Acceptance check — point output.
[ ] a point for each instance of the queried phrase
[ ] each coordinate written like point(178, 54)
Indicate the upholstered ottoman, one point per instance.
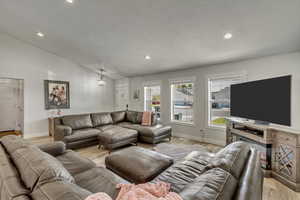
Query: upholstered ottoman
point(155, 134)
point(115, 137)
point(137, 165)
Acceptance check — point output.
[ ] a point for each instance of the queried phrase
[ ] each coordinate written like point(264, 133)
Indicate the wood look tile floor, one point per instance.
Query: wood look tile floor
point(272, 189)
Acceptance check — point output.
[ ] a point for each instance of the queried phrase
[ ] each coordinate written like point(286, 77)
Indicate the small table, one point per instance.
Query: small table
point(12, 132)
point(138, 165)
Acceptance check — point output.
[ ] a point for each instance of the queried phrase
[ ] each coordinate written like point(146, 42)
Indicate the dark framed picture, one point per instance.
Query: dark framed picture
point(57, 94)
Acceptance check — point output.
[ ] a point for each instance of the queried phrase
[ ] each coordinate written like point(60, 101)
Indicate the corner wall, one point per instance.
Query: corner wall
point(255, 69)
point(22, 61)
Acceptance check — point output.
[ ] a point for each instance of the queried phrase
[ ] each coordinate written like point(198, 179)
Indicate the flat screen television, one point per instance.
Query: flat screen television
point(266, 100)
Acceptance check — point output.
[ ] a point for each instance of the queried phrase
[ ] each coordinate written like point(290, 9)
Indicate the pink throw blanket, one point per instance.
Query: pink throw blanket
point(98, 196)
point(147, 191)
point(146, 119)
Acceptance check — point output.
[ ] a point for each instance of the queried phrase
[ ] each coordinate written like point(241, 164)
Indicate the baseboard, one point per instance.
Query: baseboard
point(190, 137)
point(215, 141)
point(212, 140)
point(33, 135)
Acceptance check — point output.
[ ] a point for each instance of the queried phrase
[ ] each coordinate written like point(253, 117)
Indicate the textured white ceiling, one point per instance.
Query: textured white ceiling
point(177, 34)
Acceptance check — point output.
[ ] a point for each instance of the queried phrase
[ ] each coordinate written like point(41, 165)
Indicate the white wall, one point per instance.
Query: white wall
point(121, 94)
point(255, 69)
point(23, 61)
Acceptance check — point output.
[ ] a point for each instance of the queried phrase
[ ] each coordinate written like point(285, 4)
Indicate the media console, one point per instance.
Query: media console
point(279, 148)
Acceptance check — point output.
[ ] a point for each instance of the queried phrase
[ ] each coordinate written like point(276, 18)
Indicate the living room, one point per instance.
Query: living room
point(111, 95)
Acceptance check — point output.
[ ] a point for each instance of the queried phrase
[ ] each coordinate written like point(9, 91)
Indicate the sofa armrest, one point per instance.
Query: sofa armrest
point(54, 149)
point(61, 131)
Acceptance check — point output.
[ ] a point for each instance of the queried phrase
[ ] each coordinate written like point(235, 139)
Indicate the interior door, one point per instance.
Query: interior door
point(11, 104)
point(152, 99)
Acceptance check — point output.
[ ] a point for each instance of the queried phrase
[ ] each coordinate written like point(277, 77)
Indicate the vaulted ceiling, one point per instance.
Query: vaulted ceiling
point(177, 34)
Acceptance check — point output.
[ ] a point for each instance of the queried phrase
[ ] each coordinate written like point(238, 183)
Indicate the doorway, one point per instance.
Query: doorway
point(11, 106)
point(152, 99)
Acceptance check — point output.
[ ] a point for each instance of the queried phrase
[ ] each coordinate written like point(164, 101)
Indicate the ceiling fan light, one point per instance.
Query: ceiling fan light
point(101, 83)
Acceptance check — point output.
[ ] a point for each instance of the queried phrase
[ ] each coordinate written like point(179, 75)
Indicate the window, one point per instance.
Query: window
point(152, 99)
point(182, 99)
point(219, 99)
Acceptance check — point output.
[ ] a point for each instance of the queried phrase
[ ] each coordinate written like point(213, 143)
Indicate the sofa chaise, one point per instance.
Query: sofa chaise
point(112, 130)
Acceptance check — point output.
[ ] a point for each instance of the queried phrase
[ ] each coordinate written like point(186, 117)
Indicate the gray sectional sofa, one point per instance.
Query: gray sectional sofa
point(112, 130)
point(51, 172)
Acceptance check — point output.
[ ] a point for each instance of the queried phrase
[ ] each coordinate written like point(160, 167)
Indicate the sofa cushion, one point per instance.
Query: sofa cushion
point(232, 158)
point(59, 190)
point(82, 134)
point(22, 197)
point(124, 124)
point(116, 134)
point(130, 125)
point(100, 119)
point(131, 116)
point(11, 185)
point(86, 131)
point(75, 163)
point(78, 121)
point(107, 127)
point(139, 117)
point(37, 167)
point(185, 172)
point(99, 179)
point(54, 149)
point(148, 131)
point(118, 116)
point(214, 184)
point(12, 143)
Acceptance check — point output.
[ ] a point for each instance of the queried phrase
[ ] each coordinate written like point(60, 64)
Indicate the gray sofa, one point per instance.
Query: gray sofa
point(112, 130)
point(51, 172)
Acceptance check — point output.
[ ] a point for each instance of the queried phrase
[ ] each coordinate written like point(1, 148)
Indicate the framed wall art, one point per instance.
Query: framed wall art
point(57, 94)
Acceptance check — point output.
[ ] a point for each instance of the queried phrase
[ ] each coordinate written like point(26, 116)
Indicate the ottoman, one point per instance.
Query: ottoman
point(137, 165)
point(115, 137)
point(150, 134)
point(155, 134)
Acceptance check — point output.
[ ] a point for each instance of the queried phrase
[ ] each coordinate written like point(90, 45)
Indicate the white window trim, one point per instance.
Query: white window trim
point(152, 83)
point(182, 80)
point(242, 74)
point(177, 81)
point(181, 123)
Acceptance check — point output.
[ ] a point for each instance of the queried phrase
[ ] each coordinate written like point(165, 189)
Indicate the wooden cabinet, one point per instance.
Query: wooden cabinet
point(286, 158)
point(279, 149)
point(51, 126)
point(5, 133)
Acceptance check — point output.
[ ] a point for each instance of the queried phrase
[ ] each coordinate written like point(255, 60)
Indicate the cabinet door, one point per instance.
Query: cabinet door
point(285, 160)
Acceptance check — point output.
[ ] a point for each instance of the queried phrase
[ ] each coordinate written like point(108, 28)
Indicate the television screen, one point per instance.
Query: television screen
point(264, 100)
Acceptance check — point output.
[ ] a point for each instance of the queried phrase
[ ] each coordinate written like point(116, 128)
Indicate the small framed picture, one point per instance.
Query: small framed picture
point(136, 94)
point(57, 94)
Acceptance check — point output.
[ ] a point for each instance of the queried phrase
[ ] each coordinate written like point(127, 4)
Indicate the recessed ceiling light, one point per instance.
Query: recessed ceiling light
point(40, 34)
point(147, 57)
point(227, 36)
point(69, 1)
